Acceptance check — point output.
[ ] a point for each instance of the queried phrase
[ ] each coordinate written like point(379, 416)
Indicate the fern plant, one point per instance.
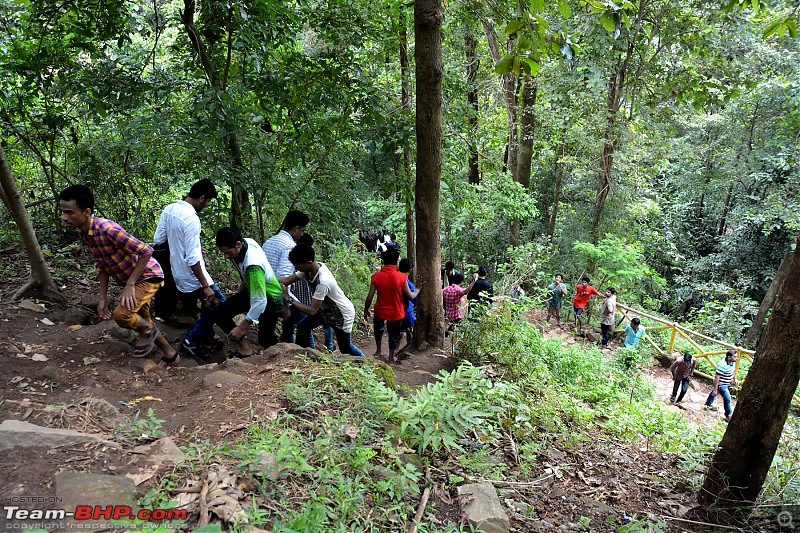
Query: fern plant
point(437, 414)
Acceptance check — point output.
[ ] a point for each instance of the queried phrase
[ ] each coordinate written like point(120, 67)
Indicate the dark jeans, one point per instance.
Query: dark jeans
point(343, 338)
point(203, 330)
point(238, 304)
point(684, 386)
point(726, 399)
point(605, 329)
point(394, 332)
point(287, 333)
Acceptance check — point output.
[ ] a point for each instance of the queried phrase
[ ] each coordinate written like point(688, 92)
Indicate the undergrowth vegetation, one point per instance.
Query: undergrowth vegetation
point(348, 443)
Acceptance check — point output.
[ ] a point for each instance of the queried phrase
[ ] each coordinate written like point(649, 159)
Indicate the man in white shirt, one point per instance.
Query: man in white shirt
point(179, 228)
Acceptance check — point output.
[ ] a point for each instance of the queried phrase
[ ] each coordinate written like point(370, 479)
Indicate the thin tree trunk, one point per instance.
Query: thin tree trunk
point(557, 186)
point(405, 100)
point(769, 298)
point(240, 199)
point(740, 465)
point(473, 63)
point(609, 143)
point(428, 55)
point(510, 98)
point(723, 219)
point(40, 277)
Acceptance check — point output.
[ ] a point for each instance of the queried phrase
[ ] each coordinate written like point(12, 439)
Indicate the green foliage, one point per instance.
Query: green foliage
point(143, 427)
point(438, 414)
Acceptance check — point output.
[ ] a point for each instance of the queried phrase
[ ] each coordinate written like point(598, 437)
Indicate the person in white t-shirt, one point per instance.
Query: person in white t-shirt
point(328, 303)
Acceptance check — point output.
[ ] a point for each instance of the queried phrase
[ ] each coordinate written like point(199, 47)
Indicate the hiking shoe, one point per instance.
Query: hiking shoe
point(710, 407)
point(193, 351)
point(672, 399)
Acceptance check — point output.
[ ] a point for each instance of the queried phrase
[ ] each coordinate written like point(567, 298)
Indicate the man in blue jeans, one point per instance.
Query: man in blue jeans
point(328, 303)
point(722, 380)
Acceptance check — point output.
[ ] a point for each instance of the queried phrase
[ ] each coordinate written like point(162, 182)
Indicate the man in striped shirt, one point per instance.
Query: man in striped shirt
point(126, 259)
point(722, 380)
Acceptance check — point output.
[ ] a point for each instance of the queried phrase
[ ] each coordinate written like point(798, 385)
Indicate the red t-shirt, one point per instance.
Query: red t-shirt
point(582, 295)
point(389, 283)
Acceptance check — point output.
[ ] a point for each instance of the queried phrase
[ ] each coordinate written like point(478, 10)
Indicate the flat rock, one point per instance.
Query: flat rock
point(144, 364)
point(15, 433)
point(161, 451)
point(115, 376)
point(222, 378)
point(482, 508)
point(81, 488)
point(285, 349)
point(234, 364)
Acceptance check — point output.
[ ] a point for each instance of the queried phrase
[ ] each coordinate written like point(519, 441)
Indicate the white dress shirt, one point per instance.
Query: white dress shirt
point(180, 226)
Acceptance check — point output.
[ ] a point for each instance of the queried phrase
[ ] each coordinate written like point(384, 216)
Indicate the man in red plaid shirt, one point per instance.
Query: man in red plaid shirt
point(125, 258)
point(452, 295)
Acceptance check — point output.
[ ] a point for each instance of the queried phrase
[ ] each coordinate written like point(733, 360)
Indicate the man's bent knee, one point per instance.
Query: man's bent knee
point(125, 318)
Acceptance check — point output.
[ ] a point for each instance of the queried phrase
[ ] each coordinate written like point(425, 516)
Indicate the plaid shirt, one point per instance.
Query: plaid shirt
point(116, 251)
point(452, 295)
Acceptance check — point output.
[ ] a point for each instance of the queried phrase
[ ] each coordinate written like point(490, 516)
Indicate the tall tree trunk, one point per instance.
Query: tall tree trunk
point(557, 188)
point(40, 278)
point(616, 86)
point(240, 199)
point(405, 100)
point(769, 298)
point(525, 152)
point(471, 46)
point(428, 56)
point(510, 97)
point(723, 219)
point(740, 465)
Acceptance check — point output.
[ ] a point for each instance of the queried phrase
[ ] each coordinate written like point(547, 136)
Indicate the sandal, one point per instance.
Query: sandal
point(175, 360)
point(143, 350)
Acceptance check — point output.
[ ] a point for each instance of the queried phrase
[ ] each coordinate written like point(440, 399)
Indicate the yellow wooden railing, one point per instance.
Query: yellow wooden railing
point(690, 337)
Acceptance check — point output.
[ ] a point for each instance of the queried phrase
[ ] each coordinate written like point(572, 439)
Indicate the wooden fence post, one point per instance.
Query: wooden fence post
point(672, 338)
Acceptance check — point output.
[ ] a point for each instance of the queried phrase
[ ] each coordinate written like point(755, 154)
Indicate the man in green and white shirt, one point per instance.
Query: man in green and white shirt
point(260, 295)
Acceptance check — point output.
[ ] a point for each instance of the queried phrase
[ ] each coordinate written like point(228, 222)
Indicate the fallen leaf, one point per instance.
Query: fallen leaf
point(31, 306)
point(47, 322)
point(39, 357)
point(141, 477)
point(74, 327)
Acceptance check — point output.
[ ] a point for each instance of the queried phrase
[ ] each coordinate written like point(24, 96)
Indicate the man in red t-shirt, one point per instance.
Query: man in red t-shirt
point(582, 294)
point(390, 307)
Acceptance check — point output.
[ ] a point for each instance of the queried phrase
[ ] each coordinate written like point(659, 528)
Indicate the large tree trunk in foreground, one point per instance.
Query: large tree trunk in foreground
point(739, 468)
point(40, 275)
point(428, 55)
point(769, 298)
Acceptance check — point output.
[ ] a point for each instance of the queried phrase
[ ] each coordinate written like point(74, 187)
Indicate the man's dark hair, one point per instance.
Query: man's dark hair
point(730, 353)
point(636, 321)
point(81, 194)
point(302, 253)
point(393, 236)
point(294, 219)
point(482, 271)
point(687, 357)
point(406, 265)
point(306, 239)
point(204, 187)
point(562, 276)
point(612, 290)
point(390, 256)
point(228, 237)
point(457, 278)
point(586, 279)
point(449, 265)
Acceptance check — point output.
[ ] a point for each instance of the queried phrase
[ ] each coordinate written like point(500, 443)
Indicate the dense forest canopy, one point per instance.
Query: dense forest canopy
point(660, 137)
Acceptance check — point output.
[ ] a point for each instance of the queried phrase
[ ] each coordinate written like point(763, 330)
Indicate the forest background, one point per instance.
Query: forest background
point(649, 144)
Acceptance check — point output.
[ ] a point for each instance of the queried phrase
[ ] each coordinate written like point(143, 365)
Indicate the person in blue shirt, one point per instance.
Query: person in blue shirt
point(633, 332)
point(407, 325)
